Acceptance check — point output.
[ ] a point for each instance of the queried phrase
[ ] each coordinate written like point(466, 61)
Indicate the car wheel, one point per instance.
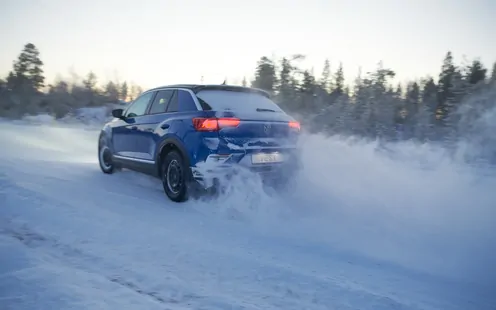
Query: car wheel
point(174, 176)
point(105, 158)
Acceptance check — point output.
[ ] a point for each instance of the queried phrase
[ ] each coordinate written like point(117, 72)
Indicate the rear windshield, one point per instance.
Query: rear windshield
point(235, 101)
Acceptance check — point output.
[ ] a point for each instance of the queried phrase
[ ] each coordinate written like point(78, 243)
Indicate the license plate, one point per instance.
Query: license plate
point(266, 158)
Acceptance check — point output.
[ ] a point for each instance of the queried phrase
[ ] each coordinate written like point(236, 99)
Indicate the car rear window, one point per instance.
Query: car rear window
point(235, 101)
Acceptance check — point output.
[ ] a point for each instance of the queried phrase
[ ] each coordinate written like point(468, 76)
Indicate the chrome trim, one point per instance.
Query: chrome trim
point(257, 147)
point(145, 161)
point(213, 161)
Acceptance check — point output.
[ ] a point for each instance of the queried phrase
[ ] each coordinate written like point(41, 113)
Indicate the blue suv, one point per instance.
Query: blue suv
point(185, 134)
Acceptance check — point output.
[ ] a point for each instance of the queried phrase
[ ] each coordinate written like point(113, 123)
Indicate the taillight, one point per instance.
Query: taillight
point(214, 124)
point(294, 125)
point(228, 122)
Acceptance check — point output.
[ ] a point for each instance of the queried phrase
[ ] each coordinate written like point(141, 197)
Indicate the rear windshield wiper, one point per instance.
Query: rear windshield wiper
point(265, 110)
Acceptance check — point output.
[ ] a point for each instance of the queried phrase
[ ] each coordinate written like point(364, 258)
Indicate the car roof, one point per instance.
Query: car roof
point(195, 88)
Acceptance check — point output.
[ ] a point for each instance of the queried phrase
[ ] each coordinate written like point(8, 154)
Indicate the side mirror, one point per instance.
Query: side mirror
point(117, 113)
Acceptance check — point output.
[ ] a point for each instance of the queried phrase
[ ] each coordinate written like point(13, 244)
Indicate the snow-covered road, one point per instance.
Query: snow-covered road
point(363, 231)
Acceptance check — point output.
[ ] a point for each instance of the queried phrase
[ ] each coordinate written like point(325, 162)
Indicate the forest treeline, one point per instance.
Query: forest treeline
point(24, 91)
point(443, 108)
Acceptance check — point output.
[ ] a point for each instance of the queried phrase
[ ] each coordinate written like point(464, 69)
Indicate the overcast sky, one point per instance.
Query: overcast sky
point(157, 42)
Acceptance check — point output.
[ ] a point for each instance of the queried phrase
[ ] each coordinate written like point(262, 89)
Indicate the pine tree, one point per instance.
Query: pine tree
point(90, 81)
point(27, 70)
point(445, 83)
point(380, 76)
point(429, 95)
point(325, 79)
point(308, 84)
point(493, 75)
point(338, 81)
point(429, 89)
point(425, 116)
point(361, 111)
point(398, 93)
point(412, 100)
point(476, 72)
point(60, 87)
point(413, 93)
point(132, 92)
point(112, 91)
point(287, 85)
point(265, 75)
point(12, 81)
point(381, 118)
point(346, 90)
point(285, 78)
point(124, 91)
point(357, 85)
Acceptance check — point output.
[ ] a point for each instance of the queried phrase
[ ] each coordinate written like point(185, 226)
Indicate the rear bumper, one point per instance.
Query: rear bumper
point(208, 172)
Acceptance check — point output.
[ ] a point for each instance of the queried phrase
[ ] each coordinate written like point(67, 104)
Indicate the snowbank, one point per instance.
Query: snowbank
point(39, 119)
point(88, 116)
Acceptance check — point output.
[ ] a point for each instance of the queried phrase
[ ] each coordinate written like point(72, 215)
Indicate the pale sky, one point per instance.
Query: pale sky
point(159, 42)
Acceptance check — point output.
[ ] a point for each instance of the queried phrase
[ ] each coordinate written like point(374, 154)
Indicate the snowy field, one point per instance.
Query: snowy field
point(366, 228)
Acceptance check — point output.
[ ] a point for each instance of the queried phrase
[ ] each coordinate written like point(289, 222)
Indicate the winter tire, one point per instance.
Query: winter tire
point(105, 158)
point(174, 176)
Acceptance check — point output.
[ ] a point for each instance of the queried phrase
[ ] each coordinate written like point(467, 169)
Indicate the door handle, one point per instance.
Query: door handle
point(164, 126)
point(134, 128)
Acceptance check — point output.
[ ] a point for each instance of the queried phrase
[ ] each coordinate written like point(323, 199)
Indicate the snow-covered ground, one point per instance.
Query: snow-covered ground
point(91, 117)
point(364, 229)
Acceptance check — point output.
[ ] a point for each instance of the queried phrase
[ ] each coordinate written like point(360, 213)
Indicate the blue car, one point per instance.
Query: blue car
point(188, 134)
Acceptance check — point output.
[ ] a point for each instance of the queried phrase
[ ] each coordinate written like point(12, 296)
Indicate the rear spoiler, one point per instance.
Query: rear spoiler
point(262, 92)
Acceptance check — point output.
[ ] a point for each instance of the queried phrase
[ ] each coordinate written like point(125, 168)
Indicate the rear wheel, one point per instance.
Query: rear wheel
point(174, 176)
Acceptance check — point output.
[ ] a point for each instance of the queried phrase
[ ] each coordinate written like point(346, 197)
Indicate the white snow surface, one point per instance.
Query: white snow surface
point(366, 227)
point(90, 117)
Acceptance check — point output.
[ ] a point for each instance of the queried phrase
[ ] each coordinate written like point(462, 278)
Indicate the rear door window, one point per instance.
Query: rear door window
point(161, 101)
point(235, 101)
point(173, 104)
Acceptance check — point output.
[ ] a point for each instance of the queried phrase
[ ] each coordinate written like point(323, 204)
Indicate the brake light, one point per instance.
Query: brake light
point(294, 125)
point(228, 122)
point(214, 124)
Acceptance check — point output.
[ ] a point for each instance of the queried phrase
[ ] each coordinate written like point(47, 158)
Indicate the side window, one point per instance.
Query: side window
point(186, 102)
point(173, 104)
point(161, 101)
point(205, 106)
point(138, 107)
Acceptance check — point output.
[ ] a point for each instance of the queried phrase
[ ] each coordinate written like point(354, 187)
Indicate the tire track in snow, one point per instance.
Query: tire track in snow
point(282, 293)
point(69, 254)
point(78, 258)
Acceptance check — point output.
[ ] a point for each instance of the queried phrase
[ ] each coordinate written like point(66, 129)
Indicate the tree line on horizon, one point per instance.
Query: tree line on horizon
point(25, 92)
point(442, 108)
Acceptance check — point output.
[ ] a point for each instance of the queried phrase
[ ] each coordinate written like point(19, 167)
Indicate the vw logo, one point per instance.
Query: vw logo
point(267, 128)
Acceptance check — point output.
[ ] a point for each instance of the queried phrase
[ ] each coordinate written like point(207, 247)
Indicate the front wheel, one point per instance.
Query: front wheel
point(105, 158)
point(174, 176)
